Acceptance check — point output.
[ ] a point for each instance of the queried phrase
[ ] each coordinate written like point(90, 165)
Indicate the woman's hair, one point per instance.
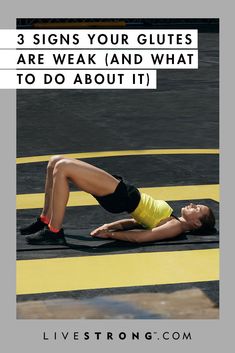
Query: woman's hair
point(208, 223)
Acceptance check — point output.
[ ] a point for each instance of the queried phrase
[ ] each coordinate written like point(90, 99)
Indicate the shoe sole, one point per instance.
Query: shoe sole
point(46, 242)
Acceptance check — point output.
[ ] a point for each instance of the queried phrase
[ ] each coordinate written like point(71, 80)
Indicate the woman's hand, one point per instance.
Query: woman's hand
point(122, 224)
point(102, 232)
point(109, 230)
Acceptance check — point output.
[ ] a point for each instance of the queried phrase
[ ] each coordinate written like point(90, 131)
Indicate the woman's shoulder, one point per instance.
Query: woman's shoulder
point(169, 228)
point(171, 219)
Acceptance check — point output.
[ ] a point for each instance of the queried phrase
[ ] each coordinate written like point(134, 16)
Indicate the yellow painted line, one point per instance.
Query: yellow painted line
point(35, 159)
point(169, 193)
point(114, 271)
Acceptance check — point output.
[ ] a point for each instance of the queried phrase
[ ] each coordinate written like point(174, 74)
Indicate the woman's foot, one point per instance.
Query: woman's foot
point(33, 228)
point(46, 237)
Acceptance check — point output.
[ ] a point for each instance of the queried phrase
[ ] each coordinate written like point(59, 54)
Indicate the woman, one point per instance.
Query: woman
point(152, 219)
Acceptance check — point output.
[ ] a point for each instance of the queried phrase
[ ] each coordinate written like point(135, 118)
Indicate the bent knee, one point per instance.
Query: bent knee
point(61, 166)
point(53, 160)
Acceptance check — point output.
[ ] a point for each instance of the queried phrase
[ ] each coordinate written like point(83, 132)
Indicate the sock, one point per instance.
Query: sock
point(44, 219)
point(52, 229)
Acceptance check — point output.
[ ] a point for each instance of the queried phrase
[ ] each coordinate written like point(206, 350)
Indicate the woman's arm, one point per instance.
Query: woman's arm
point(168, 230)
point(123, 224)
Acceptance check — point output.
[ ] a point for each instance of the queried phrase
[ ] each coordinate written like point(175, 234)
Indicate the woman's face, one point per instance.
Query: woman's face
point(193, 213)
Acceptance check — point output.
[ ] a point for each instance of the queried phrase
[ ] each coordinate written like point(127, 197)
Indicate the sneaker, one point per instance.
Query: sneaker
point(46, 237)
point(33, 228)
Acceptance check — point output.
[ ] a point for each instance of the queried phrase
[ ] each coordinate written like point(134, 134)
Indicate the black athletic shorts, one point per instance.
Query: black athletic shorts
point(125, 198)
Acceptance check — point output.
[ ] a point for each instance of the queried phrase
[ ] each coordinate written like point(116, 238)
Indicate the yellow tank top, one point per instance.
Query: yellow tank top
point(151, 212)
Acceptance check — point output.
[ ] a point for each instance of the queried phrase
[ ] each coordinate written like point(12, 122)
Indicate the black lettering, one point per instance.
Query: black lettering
point(64, 39)
point(120, 78)
point(160, 39)
point(151, 41)
point(30, 78)
point(59, 59)
point(122, 335)
point(114, 39)
point(86, 336)
point(164, 335)
point(88, 79)
point(102, 39)
point(77, 79)
point(98, 335)
point(44, 336)
point(31, 59)
point(190, 56)
point(141, 76)
point(125, 39)
point(138, 59)
point(175, 336)
point(114, 59)
point(59, 79)
point(47, 79)
point(179, 38)
point(148, 335)
point(21, 39)
point(111, 79)
point(170, 35)
point(52, 39)
point(188, 39)
point(135, 335)
point(21, 60)
point(41, 59)
point(64, 335)
point(141, 39)
point(170, 58)
point(80, 59)
point(75, 38)
point(109, 336)
point(181, 59)
point(75, 336)
point(91, 37)
point(91, 59)
point(99, 79)
point(187, 336)
point(19, 78)
point(36, 39)
point(157, 59)
point(133, 79)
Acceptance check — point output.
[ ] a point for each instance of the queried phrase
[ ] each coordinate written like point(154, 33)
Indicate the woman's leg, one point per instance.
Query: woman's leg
point(46, 212)
point(85, 176)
